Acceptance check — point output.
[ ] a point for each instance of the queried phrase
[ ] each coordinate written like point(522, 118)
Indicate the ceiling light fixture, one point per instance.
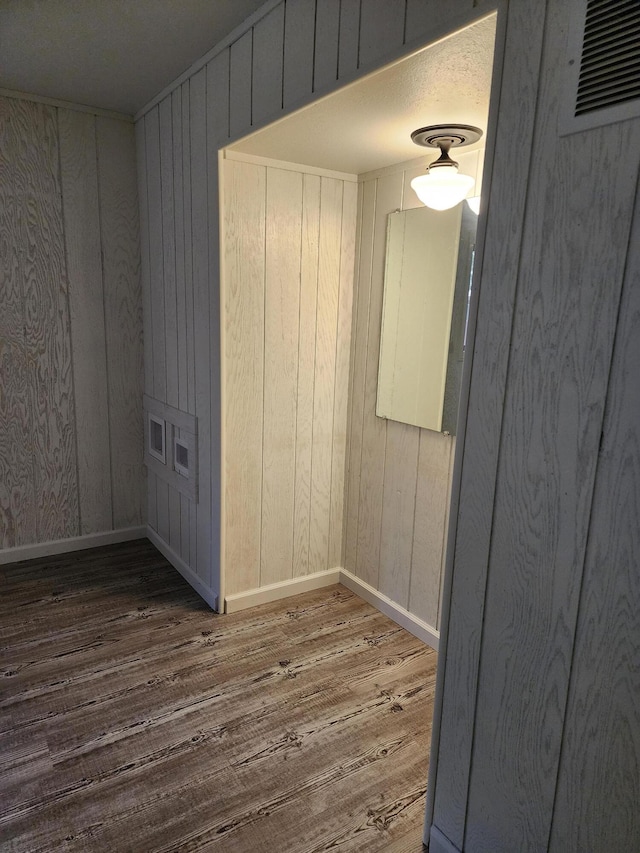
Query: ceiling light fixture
point(443, 187)
point(474, 204)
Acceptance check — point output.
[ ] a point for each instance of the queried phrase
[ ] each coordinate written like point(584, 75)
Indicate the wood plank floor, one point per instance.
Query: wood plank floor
point(132, 718)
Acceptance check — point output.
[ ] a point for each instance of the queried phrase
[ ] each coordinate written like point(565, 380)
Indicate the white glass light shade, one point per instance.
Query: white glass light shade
point(442, 188)
point(474, 204)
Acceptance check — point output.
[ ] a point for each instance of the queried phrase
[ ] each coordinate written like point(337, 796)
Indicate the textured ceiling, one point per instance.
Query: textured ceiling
point(113, 54)
point(368, 125)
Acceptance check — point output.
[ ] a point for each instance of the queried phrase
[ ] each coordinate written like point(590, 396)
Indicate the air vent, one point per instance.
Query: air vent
point(603, 84)
point(610, 64)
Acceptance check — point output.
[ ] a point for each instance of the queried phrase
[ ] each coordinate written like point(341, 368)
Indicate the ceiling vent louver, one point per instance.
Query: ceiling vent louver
point(603, 82)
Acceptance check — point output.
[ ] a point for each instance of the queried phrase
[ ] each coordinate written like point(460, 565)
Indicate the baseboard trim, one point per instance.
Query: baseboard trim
point(283, 589)
point(413, 624)
point(306, 583)
point(75, 543)
point(186, 571)
point(439, 843)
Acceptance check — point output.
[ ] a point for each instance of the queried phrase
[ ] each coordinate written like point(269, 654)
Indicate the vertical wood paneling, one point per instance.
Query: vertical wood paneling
point(398, 510)
point(398, 477)
point(123, 318)
point(218, 98)
point(325, 67)
point(162, 509)
point(168, 251)
point(445, 533)
point(201, 295)
point(244, 193)
point(288, 289)
point(214, 438)
point(366, 216)
point(341, 383)
point(183, 512)
point(267, 66)
point(178, 217)
point(596, 805)
point(432, 16)
point(156, 281)
point(46, 320)
point(188, 246)
point(175, 519)
point(381, 29)
point(66, 339)
point(518, 95)
point(281, 318)
point(547, 477)
point(306, 371)
point(558, 372)
point(69, 222)
point(348, 554)
point(171, 292)
point(325, 364)
point(145, 278)
point(188, 510)
point(17, 486)
point(240, 81)
point(79, 179)
point(349, 34)
point(147, 316)
point(388, 196)
point(429, 524)
point(300, 19)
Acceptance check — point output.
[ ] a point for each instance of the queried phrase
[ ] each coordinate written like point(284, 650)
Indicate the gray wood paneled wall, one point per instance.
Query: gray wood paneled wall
point(289, 54)
point(540, 722)
point(70, 325)
point(287, 284)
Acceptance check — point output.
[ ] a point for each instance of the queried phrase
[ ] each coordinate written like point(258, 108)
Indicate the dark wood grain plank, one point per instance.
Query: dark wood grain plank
point(135, 719)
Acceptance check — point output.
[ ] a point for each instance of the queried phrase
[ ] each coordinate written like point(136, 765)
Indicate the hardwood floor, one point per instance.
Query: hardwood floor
point(132, 718)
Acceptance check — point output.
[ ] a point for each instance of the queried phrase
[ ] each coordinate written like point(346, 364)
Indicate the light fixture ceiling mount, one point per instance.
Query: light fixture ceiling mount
point(442, 187)
point(436, 135)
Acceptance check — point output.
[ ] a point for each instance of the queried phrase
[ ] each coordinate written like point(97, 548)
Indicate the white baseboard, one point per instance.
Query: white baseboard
point(394, 611)
point(186, 571)
point(76, 543)
point(439, 843)
point(283, 589)
point(241, 600)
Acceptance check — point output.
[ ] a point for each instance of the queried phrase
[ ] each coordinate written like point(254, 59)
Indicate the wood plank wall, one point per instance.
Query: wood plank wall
point(539, 746)
point(539, 693)
point(70, 326)
point(399, 481)
point(288, 282)
point(260, 75)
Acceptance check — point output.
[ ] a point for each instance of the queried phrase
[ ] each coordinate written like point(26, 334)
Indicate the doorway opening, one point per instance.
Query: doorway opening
point(323, 488)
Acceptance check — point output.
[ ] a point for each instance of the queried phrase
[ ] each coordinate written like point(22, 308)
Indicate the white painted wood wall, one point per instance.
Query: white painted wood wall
point(399, 481)
point(289, 241)
point(539, 744)
point(70, 326)
point(286, 55)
